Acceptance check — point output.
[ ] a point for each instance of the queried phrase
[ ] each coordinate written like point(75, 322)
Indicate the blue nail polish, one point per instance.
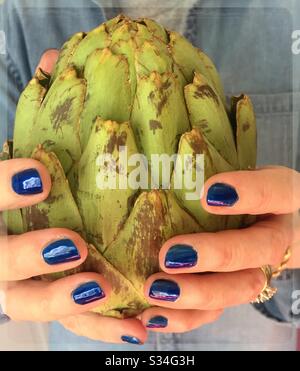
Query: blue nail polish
point(158, 322)
point(221, 194)
point(62, 251)
point(131, 340)
point(181, 256)
point(88, 293)
point(27, 182)
point(164, 290)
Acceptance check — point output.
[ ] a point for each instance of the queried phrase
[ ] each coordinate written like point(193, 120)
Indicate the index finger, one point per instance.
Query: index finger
point(23, 182)
point(273, 190)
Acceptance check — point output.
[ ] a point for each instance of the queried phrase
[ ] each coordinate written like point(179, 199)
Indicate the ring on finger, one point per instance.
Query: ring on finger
point(267, 292)
point(277, 271)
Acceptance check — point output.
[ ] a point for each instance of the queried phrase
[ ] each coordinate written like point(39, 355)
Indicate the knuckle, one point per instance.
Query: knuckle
point(277, 244)
point(14, 262)
point(11, 263)
point(206, 299)
point(263, 199)
point(73, 324)
point(182, 326)
point(227, 257)
point(190, 323)
point(46, 307)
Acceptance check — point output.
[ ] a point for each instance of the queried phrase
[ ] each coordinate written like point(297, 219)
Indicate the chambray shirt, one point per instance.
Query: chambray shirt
point(251, 43)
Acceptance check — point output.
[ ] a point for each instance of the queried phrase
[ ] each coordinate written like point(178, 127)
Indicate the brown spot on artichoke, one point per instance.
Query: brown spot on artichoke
point(207, 91)
point(155, 125)
point(61, 114)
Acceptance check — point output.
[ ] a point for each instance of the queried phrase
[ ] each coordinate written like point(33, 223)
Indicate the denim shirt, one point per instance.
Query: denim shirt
point(251, 46)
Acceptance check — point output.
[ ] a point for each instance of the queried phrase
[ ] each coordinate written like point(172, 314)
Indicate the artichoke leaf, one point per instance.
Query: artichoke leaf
point(209, 115)
point(156, 29)
point(191, 60)
point(59, 210)
point(191, 144)
point(13, 221)
point(107, 97)
point(246, 135)
point(26, 116)
point(95, 39)
point(149, 224)
point(212, 74)
point(113, 24)
point(124, 33)
point(104, 206)
point(57, 123)
point(66, 53)
point(159, 114)
point(128, 50)
point(144, 227)
point(152, 56)
point(124, 301)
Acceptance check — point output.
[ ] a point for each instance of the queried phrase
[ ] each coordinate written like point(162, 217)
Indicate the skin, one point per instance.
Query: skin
point(234, 257)
point(272, 193)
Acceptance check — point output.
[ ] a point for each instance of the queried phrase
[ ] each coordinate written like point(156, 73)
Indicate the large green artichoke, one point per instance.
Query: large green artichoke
point(135, 84)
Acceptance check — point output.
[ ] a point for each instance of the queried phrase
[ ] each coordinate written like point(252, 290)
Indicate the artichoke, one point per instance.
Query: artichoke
point(128, 84)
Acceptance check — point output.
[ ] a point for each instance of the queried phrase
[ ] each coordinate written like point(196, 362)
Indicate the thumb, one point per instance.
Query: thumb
point(48, 60)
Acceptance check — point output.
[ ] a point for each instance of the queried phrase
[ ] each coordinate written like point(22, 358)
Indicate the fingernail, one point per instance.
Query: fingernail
point(181, 256)
point(164, 290)
point(158, 322)
point(62, 251)
point(221, 194)
point(131, 340)
point(27, 182)
point(88, 293)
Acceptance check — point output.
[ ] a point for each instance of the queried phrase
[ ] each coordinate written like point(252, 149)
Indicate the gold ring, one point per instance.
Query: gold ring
point(277, 271)
point(267, 292)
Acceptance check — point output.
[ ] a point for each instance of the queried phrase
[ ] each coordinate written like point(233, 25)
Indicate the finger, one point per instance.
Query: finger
point(177, 321)
point(270, 190)
point(23, 182)
point(48, 60)
point(40, 252)
point(204, 292)
point(107, 329)
point(264, 243)
point(49, 301)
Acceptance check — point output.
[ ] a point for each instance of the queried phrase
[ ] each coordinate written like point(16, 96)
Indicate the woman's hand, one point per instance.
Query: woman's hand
point(25, 182)
point(235, 255)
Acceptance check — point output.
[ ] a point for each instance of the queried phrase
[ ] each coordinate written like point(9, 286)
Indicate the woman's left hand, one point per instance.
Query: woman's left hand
point(233, 258)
